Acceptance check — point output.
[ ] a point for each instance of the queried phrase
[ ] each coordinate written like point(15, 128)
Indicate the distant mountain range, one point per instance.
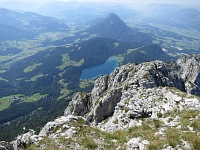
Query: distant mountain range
point(189, 17)
point(110, 27)
point(78, 12)
point(160, 10)
point(18, 26)
point(84, 12)
point(173, 15)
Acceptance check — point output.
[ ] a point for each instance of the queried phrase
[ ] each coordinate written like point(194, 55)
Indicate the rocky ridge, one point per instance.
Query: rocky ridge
point(147, 106)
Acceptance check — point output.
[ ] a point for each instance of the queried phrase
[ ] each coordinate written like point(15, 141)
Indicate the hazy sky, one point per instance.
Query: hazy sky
point(135, 4)
point(123, 1)
point(141, 1)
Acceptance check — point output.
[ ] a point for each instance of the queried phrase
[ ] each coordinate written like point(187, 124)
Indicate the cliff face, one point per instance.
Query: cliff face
point(130, 97)
point(130, 92)
point(189, 70)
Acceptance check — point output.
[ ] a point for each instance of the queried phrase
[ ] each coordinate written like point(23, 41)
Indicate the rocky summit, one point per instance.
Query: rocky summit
point(153, 105)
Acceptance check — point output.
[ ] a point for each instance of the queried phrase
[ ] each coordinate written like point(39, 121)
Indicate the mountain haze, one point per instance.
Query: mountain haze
point(150, 101)
point(31, 21)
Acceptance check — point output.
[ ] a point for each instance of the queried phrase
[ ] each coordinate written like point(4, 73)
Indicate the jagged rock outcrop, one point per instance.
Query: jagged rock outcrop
point(50, 129)
point(60, 127)
point(120, 101)
point(6, 146)
point(188, 67)
point(136, 144)
point(80, 105)
point(146, 103)
point(125, 83)
point(25, 140)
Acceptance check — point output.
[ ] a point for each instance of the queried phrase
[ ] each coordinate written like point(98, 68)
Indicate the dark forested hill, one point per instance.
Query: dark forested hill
point(41, 72)
point(110, 27)
point(115, 28)
point(147, 53)
point(31, 21)
point(13, 33)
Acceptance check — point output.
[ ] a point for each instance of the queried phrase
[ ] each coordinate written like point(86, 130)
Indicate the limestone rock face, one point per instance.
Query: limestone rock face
point(79, 106)
point(25, 140)
point(131, 91)
point(100, 86)
point(137, 144)
point(125, 83)
point(50, 128)
point(106, 106)
point(189, 69)
point(60, 127)
point(6, 146)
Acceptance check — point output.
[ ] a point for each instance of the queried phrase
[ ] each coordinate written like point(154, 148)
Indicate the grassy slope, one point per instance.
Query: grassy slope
point(92, 138)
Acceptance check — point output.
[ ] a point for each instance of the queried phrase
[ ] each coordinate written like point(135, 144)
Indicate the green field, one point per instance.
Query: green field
point(28, 47)
point(85, 83)
point(36, 77)
point(5, 102)
point(32, 67)
point(66, 61)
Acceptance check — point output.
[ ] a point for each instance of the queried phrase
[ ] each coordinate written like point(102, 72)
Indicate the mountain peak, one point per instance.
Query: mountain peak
point(111, 27)
point(113, 15)
point(115, 19)
point(115, 28)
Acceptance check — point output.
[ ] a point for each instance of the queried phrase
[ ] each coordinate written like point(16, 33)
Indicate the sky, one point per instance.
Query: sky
point(141, 1)
point(122, 1)
point(135, 4)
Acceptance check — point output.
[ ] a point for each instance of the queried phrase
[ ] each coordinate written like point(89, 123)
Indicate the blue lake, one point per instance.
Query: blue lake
point(106, 68)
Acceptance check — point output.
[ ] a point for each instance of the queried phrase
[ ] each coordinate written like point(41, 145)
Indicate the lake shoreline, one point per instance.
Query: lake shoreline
point(95, 71)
